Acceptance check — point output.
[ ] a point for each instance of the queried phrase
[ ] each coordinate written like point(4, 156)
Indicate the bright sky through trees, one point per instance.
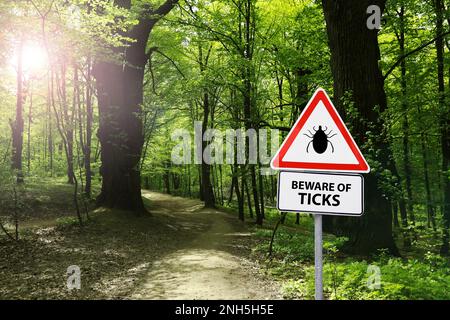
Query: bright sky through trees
point(34, 58)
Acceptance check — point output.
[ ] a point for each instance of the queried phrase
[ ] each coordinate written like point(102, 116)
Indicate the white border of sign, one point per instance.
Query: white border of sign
point(323, 212)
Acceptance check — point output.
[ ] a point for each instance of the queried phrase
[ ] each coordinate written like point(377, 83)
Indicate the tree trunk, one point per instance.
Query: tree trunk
point(395, 213)
point(405, 123)
point(261, 192)
point(88, 143)
point(233, 182)
point(66, 121)
point(17, 125)
point(120, 97)
point(249, 199)
point(120, 132)
point(30, 120)
point(430, 207)
point(239, 193)
point(445, 126)
point(400, 197)
point(354, 62)
point(49, 127)
point(207, 188)
point(167, 177)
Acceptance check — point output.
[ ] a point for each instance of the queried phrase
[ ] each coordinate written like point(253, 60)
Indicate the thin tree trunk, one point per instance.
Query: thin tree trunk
point(66, 122)
point(88, 144)
point(249, 200)
point(239, 193)
point(222, 200)
point(17, 125)
point(233, 181)
point(405, 123)
point(189, 181)
point(395, 213)
point(167, 176)
point(430, 207)
point(261, 194)
point(207, 188)
point(30, 108)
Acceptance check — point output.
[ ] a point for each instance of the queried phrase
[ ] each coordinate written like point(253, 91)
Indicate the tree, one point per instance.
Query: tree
point(207, 193)
point(17, 124)
point(444, 124)
point(120, 96)
point(354, 63)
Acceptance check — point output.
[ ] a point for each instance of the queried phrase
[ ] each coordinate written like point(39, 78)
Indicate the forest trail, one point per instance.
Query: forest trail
point(214, 265)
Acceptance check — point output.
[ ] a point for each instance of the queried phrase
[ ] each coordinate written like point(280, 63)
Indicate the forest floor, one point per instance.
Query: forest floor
point(185, 251)
point(180, 251)
point(214, 264)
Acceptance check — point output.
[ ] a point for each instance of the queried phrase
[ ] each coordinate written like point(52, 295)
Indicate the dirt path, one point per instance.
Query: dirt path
point(214, 265)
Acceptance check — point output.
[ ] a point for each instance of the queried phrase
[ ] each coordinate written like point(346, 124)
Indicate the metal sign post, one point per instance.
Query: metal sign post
point(318, 256)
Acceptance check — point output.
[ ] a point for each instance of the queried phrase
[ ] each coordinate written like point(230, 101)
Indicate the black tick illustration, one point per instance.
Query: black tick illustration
point(320, 139)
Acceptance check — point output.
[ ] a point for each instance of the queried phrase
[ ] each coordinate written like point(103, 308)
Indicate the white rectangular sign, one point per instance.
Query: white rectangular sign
point(332, 194)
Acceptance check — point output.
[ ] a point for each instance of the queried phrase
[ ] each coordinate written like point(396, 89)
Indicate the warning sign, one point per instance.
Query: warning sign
point(320, 141)
point(333, 194)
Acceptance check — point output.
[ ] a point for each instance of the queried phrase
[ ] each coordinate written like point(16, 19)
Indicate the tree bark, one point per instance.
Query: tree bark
point(207, 188)
point(120, 97)
point(30, 120)
point(239, 193)
point(88, 143)
point(247, 192)
point(18, 123)
point(395, 214)
point(354, 63)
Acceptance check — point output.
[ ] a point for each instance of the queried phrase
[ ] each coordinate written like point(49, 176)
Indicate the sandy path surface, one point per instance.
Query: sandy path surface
point(214, 265)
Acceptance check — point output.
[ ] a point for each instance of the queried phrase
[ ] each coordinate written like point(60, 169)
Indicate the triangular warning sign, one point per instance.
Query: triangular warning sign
point(319, 141)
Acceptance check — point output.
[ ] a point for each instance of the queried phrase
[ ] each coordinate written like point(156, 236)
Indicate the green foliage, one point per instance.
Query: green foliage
point(291, 246)
point(347, 278)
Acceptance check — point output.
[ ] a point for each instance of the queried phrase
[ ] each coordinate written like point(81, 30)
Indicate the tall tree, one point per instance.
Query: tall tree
point(354, 61)
point(207, 189)
point(445, 123)
point(404, 104)
point(120, 96)
point(17, 124)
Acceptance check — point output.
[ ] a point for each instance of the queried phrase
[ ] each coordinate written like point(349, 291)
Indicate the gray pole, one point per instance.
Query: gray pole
point(318, 255)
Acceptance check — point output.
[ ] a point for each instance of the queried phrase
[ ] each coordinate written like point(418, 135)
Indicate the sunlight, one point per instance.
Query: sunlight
point(34, 58)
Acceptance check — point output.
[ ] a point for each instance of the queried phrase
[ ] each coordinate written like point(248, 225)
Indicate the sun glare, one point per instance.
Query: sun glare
point(34, 58)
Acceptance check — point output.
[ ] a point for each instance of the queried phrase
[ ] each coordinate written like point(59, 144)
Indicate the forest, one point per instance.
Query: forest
point(122, 171)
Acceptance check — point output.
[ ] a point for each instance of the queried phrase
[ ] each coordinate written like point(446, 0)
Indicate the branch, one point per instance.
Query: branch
point(170, 59)
point(6, 232)
point(148, 19)
point(412, 52)
point(150, 68)
point(263, 124)
point(39, 11)
point(165, 8)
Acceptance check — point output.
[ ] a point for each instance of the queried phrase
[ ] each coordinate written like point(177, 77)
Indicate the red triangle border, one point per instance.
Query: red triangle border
point(319, 95)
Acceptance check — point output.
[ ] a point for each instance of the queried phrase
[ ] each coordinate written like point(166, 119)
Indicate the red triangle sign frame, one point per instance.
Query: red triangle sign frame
point(320, 95)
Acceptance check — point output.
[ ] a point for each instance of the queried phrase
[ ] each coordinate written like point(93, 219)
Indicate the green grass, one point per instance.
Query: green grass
point(112, 250)
point(292, 263)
